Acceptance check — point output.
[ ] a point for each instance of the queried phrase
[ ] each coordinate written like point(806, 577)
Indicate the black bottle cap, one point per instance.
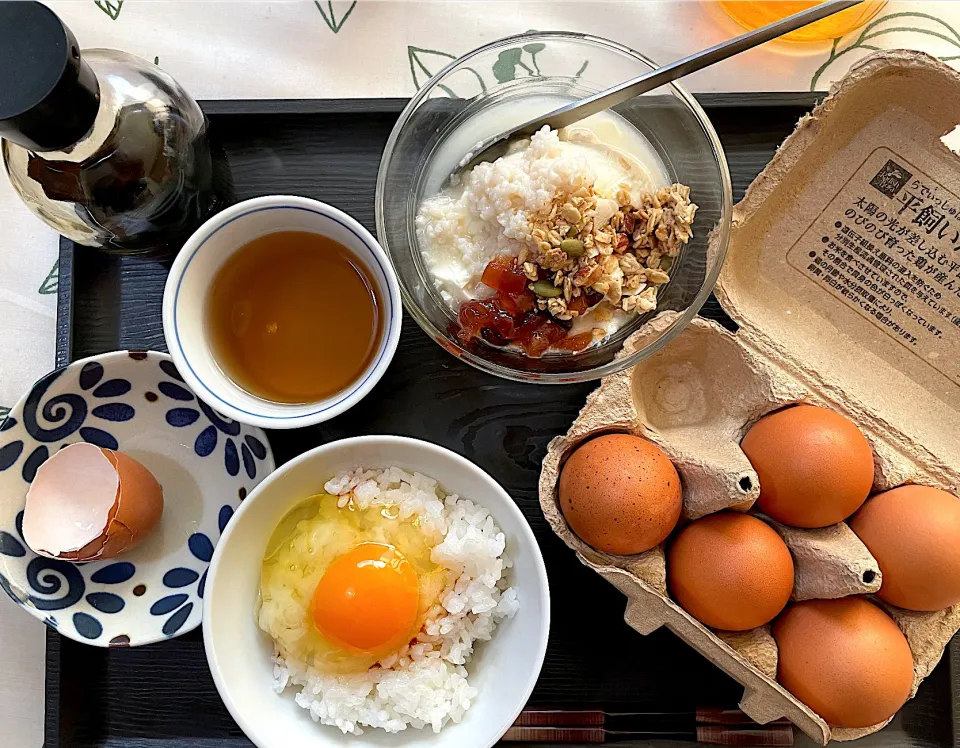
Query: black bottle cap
point(48, 96)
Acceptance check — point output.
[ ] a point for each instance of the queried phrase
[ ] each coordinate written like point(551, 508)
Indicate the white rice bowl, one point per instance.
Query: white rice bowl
point(503, 670)
point(427, 682)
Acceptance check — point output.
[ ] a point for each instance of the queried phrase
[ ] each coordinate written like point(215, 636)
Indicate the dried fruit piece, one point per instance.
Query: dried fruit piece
point(575, 343)
point(582, 249)
point(504, 274)
point(583, 302)
point(538, 333)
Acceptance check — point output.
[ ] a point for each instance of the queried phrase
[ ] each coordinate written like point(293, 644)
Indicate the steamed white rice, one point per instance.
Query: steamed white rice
point(427, 682)
point(491, 210)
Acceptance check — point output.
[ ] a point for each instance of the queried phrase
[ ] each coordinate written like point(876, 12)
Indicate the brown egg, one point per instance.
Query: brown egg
point(620, 494)
point(815, 466)
point(914, 533)
point(730, 571)
point(88, 503)
point(845, 659)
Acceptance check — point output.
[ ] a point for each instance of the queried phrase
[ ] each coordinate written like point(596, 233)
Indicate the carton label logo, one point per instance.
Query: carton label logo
point(891, 178)
point(887, 246)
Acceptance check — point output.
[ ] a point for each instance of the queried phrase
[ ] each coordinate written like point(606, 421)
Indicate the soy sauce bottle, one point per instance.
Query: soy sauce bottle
point(105, 147)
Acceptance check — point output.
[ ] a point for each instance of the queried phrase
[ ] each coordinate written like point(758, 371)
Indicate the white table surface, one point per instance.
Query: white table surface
point(303, 49)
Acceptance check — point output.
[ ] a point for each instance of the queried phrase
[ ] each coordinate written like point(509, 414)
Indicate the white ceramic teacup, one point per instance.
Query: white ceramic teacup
point(195, 268)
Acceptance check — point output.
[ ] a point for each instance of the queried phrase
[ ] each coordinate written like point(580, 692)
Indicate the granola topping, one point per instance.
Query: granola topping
point(620, 248)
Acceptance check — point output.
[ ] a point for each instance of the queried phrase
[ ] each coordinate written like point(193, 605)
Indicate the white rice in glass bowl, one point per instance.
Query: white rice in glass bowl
point(493, 208)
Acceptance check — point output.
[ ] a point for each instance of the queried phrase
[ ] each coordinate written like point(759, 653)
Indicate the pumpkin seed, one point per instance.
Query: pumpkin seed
point(573, 247)
point(570, 213)
point(545, 289)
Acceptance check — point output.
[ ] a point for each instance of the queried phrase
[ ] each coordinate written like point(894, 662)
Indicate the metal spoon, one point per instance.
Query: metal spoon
point(494, 147)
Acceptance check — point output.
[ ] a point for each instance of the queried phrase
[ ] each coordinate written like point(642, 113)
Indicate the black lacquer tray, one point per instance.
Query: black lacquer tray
point(162, 695)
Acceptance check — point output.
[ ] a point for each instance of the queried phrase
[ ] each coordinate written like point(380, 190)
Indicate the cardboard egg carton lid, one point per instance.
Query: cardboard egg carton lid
point(844, 261)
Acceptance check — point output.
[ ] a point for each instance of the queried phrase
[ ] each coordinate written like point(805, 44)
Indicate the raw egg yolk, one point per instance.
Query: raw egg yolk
point(368, 599)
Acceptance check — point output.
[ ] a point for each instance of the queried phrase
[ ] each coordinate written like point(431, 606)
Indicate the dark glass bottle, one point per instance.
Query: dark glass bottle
point(103, 146)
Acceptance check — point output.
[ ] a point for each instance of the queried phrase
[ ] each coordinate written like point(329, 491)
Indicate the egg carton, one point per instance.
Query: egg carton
point(801, 338)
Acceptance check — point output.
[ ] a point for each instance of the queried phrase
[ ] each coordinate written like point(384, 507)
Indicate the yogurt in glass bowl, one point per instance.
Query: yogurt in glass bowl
point(538, 266)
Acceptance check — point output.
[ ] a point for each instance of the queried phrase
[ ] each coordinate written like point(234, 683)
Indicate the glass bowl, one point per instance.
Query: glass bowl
point(516, 79)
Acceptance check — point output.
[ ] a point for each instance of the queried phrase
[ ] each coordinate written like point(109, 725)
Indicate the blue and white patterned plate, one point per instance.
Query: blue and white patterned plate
point(134, 401)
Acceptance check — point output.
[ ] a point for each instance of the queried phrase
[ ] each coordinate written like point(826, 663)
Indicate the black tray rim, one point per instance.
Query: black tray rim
point(793, 99)
point(390, 105)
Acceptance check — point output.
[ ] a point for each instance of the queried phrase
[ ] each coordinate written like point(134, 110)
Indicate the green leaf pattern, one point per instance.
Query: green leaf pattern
point(51, 283)
point(111, 7)
point(505, 68)
point(425, 63)
point(329, 13)
point(907, 29)
point(512, 63)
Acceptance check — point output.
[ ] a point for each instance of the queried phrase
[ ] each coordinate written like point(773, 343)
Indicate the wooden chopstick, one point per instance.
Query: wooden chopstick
point(732, 735)
point(556, 717)
point(707, 725)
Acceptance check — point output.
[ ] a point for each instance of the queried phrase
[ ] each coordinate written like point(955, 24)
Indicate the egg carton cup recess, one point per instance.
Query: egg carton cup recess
point(799, 340)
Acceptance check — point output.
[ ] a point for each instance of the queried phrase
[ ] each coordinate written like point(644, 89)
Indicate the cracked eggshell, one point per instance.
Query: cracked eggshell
point(89, 503)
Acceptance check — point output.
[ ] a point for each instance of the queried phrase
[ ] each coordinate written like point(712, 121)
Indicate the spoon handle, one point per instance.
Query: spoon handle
point(583, 108)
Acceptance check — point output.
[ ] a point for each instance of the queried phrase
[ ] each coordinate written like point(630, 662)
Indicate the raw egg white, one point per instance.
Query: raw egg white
point(343, 587)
